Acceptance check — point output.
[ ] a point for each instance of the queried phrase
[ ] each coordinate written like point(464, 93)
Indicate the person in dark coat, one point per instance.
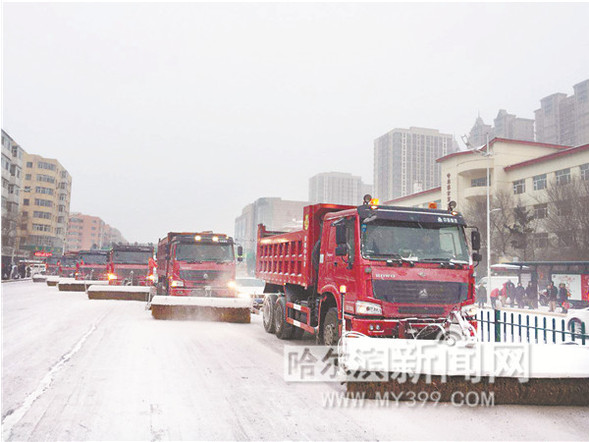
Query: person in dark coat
point(481, 296)
point(563, 297)
point(552, 296)
point(531, 296)
point(520, 294)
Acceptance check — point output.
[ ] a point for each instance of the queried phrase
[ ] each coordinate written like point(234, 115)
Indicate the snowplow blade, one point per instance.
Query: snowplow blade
point(52, 281)
point(501, 373)
point(120, 292)
point(39, 278)
point(202, 308)
point(75, 285)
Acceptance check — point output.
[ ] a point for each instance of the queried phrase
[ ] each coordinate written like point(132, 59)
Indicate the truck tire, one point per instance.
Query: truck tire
point(284, 330)
point(331, 327)
point(268, 313)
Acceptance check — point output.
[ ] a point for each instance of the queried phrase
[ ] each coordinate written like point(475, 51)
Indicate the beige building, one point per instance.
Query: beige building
point(12, 162)
point(519, 169)
point(44, 205)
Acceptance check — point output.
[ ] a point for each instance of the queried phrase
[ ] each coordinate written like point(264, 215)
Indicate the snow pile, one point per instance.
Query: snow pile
point(53, 278)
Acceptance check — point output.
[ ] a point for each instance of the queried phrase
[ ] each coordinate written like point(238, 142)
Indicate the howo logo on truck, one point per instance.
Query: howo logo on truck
point(423, 293)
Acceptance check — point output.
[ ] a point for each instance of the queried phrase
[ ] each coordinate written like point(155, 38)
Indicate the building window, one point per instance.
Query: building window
point(563, 208)
point(479, 182)
point(585, 171)
point(28, 176)
point(541, 240)
point(43, 215)
point(45, 165)
point(41, 228)
point(519, 186)
point(29, 164)
point(540, 182)
point(46, 179)
point(25, 202)
point(44, 190)
point(43, 203)
point(563, 176)
point(540, 211)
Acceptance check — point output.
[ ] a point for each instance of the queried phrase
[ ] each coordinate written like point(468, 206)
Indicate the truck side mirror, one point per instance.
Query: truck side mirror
point(341, 250)
point(340, 234)
point(475, 240)
point(239, 251)
point(476, 257)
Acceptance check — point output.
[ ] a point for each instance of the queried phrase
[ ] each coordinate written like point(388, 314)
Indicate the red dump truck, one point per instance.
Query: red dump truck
point(196, 278)
point(62, 265)
point(401, 272)
point(92, 265)
point(130, 265)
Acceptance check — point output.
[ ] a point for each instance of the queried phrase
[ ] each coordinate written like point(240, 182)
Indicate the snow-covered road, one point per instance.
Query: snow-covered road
point(75, 369)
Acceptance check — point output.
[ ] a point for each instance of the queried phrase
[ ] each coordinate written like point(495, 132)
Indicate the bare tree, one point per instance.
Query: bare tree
point(567, 220)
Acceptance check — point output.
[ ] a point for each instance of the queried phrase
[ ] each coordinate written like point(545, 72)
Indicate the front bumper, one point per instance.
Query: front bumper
point(203, 292)
point(396, 328)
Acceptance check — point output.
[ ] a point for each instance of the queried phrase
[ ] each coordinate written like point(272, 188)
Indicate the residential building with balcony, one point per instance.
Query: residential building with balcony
point(12, 160)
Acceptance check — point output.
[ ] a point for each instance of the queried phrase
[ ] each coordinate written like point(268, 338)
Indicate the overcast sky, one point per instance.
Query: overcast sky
point(175, 116)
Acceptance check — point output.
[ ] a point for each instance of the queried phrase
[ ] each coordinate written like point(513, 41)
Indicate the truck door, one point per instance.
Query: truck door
point(340, 266)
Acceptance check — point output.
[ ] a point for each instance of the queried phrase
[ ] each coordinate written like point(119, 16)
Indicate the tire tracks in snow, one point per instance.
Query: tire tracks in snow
point(14, 417)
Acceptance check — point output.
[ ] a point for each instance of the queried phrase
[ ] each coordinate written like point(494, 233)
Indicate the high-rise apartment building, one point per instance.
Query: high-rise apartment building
point(45, 205)
point(337, 188)
point(564, 119)
point(405, 161)
point(506, 126)
point(87, 232)
point(274, 213)
point(12, 158)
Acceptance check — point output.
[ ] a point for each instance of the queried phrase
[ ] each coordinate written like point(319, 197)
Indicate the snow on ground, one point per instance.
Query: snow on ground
point(80, 370)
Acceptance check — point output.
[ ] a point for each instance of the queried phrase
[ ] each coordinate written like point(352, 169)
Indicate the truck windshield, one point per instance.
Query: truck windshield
point(383, 239)
point(204, 252)
point(68, 262)
point(94, 259)
point(130, 257)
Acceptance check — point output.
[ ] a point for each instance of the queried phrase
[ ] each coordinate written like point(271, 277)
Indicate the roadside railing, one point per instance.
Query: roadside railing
point(501, 326)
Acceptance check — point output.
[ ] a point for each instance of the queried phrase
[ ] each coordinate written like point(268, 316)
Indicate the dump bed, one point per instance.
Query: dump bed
point(285, 257)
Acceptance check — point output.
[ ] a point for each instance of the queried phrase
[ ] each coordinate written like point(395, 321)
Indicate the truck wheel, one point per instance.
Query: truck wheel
point(331, 327)
point(268, 313)
point(284, 330)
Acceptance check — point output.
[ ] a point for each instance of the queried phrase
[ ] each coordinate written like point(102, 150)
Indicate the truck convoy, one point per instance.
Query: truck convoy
point(196, 278)
point(400, 272)
point(92, 265)
point(130, 265)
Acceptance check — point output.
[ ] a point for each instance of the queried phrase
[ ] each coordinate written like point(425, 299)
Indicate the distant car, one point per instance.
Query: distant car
point(251, 288)
point(576, 318)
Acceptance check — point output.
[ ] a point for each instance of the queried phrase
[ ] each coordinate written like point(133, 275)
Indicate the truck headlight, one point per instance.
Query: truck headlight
point(177, 283)
point(231, 284)
point(368, 308)
point(112, 276)
point(469, 310)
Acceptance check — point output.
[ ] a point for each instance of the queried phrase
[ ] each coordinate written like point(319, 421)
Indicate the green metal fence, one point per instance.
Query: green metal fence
point(502, 326)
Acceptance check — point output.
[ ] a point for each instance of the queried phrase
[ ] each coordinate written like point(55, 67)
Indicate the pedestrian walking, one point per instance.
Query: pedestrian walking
point(563, 297)
point(531, 296)
point(552, 296)
point(481, 296)
point(494, 295)
point(520, 294)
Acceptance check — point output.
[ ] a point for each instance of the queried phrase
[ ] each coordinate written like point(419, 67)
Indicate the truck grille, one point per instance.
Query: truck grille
point(204, 276)
point(420, 292)
point(126, 273)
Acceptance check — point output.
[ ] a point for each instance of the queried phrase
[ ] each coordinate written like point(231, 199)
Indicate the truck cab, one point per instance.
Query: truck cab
point(92, 265)
point(130, 265)
point(196, 264)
